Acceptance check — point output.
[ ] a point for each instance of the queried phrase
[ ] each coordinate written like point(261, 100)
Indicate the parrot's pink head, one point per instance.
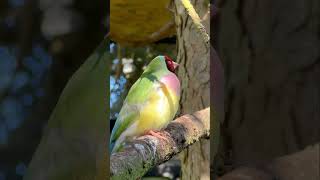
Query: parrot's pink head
point(171, 65)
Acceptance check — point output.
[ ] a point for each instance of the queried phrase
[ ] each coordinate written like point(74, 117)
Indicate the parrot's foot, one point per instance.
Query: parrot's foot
point(156, 134)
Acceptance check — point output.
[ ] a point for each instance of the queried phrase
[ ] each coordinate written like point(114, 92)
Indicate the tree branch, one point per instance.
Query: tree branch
point(147, 151)
point(197, 21)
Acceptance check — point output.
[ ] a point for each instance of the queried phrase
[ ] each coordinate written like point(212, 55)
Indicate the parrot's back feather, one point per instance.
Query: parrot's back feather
point(125, 119)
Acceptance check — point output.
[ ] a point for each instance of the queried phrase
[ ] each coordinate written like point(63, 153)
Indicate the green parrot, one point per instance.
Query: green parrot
point(150, 105)
point(74, 145)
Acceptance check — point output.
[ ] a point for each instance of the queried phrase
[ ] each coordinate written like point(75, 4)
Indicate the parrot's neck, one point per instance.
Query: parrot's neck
point(172, 82)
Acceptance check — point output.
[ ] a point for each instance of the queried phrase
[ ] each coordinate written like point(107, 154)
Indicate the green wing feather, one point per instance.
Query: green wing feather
point(137, 96)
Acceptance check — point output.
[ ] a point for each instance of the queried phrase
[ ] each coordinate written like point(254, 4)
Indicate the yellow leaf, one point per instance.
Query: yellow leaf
point(140, 22)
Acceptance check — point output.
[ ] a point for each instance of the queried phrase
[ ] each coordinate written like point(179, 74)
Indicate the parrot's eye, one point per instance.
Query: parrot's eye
point(171, 65)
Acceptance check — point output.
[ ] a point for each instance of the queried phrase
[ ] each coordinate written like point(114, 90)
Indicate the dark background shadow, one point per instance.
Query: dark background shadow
point(270, 53)
point(42, 43)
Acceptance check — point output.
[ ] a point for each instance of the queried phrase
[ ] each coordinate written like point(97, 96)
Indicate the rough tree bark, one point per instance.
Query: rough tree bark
point(270, 50)
point(193, 57)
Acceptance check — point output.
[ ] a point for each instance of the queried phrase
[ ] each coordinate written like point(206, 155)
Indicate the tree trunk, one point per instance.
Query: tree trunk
point(193, 57)
point(270, 50)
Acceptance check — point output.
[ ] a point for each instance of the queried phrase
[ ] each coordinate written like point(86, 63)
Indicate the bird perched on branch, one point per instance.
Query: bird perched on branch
point(150, 105)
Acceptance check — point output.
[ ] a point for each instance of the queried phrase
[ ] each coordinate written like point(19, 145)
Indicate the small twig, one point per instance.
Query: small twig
point(107, 35)
point(161, 31)
point(197, 21)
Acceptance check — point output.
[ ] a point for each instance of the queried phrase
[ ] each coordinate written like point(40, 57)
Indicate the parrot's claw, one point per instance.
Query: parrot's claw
point(155, 134)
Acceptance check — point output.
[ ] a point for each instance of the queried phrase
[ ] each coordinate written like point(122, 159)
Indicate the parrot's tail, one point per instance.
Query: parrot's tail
point(116, 147)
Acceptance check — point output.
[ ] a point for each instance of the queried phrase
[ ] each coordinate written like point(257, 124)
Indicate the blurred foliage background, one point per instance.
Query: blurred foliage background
point(42, 43)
